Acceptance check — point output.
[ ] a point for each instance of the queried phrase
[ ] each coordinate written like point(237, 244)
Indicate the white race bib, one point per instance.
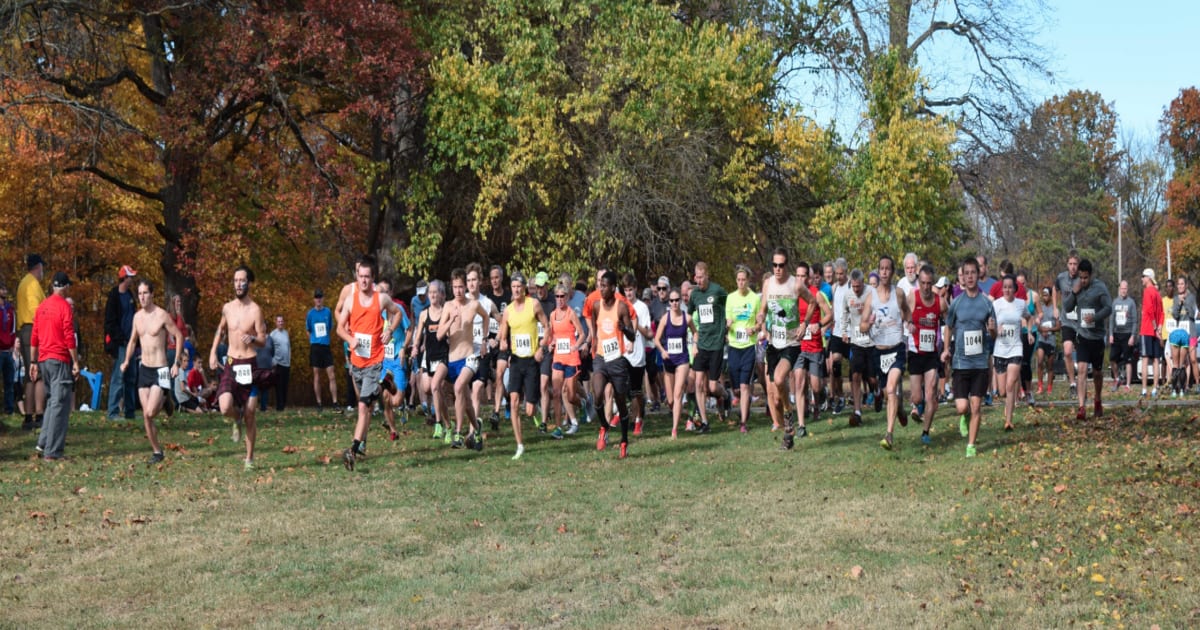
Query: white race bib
point(434, 366)
point(741, 335)
point(164, 377)
point(319, 330)
point(1122, 317)
point(241, 374)
point(473, 363)
point(1008, 334)
point(477, 332)
point(1047, 325)
point(973, 343)
point(1169, 325)
point(886, 361)
point(522, 345)
point(541, 331)
point(1085, 319)
point(1072, 316)
point(926, 339)
point(493, 326)
point(675, 345)
point(389, 352)
point(362, 345)
point(610, 349)
point(562, 346)
point(861, 339)
point(807, 332)
point(706, 314)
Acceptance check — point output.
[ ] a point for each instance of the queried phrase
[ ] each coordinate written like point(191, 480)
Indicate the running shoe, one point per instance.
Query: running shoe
point(1097, 409)
point(787, 443)
point(925, 439)
point(987, 399)
point(870, 400)
point(478, 446)
point(914, 415)
point(236, 434)
point(572, 428)
point(886, 442)
point(691, 426)
point(1008, 427)
point(637, 427)
point(920, 409)
point(1041, 390)
point(839, 406)
point(537, 423)
point(447, 436)
point(1079, 414)
point(495, 420)
point(456, 441)
point(520, 452)
point(963, 429)
point(856, 419)
point(557, 433)
point(348, 459)
point(802, 431)
point(970, 450)
point(624, 448)
point(393, 436)
point(156, 458)
point(1074, 390)
point(744, 429)
point(702, 428)
point(438, 431)
point(602, 441)
point(248, 464)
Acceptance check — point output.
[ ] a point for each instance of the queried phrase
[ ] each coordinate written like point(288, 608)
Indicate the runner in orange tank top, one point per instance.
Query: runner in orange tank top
point(614, 328)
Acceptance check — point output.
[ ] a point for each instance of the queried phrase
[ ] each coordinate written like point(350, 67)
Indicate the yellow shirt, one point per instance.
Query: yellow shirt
point(29, 295)
point(522, 328)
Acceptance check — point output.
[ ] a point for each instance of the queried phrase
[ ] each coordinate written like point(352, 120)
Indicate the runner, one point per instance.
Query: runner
point(544, 296)
point(395, 376)
point(778, 321)
point(1151, 327)
point(654, 362)
point(499, 297)
point(463, 360)
point(237, 394)
point(1047, 341)
point(1183, 312)
point(707, 306)
point(1070, 322)
point(1121, 335)
point(924, 363)
point(566, 340)
point(741, 314)
point(361, 324)
point(1011, 317)
point(151, 326)
point(519, 338)
point(434, 349)
point(814, 314)
point(614, 330)
point(970, 318)
point(839, 350)
point(885, 312)
point(319, 324)
point(1090, 300)
point(671, 341)
point(635, 353)
point(863, 357)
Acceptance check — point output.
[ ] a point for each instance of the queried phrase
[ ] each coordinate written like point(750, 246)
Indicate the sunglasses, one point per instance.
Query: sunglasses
point(673, 300)
point(662, 288)
point(560, 295)
point(776, 265)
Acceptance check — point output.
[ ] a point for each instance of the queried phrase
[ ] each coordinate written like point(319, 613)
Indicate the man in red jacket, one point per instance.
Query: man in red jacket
point(53, 358)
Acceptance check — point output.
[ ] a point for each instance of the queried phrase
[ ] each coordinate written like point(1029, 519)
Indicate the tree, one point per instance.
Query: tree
point(245, 123)
point(898, 190)
point(1181, 134)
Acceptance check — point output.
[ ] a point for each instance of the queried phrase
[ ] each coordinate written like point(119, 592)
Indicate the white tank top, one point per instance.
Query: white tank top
point(887, 330)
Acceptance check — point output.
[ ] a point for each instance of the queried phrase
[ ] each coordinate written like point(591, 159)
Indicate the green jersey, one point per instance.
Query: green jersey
point(740, 312)
point(708, 310)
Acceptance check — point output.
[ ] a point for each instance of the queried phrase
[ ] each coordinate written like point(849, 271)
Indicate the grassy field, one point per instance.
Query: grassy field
point(1057, 523)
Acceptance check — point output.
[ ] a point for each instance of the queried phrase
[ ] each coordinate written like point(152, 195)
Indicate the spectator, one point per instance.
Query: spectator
point(29, 297)
point(263, 357)
point(8, 336)
point(118, 325)
point(282, 361)
point(52, 349)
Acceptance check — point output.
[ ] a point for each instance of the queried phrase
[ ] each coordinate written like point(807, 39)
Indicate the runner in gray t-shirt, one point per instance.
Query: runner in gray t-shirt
point(1122, 331)
point(1069, 320)
point(970, 322)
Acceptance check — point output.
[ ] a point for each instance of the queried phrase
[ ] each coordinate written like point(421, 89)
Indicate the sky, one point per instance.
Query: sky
point(1136, 55)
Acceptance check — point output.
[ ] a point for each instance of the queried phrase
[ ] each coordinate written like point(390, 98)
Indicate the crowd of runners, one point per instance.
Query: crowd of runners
point(467, 349)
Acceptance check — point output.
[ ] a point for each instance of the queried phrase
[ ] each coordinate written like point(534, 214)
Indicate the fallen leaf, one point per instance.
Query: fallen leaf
point(290, 449)
point(1060, 488)
point(324, 459)
point(37, 515)
point(1183, 510)
point(856, 571)
point(562, 529)
point(1097, 578)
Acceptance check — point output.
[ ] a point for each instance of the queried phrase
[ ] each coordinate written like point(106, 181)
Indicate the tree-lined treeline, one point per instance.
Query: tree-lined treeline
point(186, 136)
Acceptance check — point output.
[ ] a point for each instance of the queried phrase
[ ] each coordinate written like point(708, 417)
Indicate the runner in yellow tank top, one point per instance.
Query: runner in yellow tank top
point(518, 335)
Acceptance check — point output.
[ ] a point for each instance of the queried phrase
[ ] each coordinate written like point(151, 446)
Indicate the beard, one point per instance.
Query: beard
point(241, 292)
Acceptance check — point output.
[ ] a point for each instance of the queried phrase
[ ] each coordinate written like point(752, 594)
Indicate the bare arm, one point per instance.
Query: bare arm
point(221, 328)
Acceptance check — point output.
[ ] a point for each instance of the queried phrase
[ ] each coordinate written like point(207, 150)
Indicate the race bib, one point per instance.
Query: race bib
point(522, 345)
point(1072, 316)
point(434, 366)
point(319, 330)
point(675, 345)
point(1047, 325)
point(1122, 317)
point(562, 346)
point(362, 345)
point(861, 339)
point(706, 314)
point(164, 377)
point(807, 333)
point(473, 363)
point(477, 332)
point(1086, 316)
point(493, 326)
point(779, 335)
point(1008, 333)
point(242, 375)
point(886, 361)
point(926, 339)
point(389, 352)
point(1169, 325)
point(741, 335)
point(973, 343)
point(610, 349)
point(541, 331)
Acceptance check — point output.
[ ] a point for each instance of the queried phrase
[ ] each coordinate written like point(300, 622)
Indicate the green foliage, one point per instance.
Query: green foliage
point(898, 193)
point(1181, 133)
